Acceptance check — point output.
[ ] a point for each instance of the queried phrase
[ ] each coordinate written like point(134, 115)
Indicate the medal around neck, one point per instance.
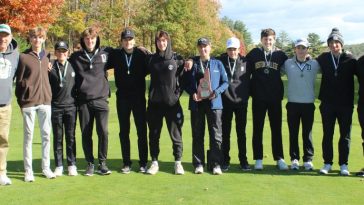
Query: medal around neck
point(204, 89)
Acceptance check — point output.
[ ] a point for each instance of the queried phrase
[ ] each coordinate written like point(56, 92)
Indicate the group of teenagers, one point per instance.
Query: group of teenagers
point(56, 91)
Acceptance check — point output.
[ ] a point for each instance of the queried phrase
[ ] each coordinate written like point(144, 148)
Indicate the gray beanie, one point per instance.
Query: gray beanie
point(335, 35)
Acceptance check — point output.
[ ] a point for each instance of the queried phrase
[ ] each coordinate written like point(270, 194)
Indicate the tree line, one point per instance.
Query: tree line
point(185, 20)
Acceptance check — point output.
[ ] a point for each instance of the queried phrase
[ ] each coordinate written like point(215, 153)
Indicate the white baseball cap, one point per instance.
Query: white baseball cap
point(233, 43)
point(302, 42)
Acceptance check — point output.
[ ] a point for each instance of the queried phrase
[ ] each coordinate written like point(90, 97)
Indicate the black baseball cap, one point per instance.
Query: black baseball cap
point(61, 45)
point(127, 33)
point(203, 41)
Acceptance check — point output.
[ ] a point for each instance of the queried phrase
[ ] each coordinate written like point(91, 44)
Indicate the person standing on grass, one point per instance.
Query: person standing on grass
point(130, 71)
point(301, 73)
point(337, 100)
point(8, 65)
point(267, 95)
point(361, 104)
point(235, 101)
point(34, 95)
point(206, 102)
point(166, 70)
point(62, 80)
point(92, 93)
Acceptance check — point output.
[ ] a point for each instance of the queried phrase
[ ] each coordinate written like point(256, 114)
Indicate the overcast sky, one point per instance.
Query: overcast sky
point(299, 17)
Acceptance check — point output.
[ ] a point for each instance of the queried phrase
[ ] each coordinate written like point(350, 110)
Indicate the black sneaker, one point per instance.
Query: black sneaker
point(360, 173)
point(90, 169)
point(225, 167)
point(245, 166)
point(103, 170)
point(143, 169)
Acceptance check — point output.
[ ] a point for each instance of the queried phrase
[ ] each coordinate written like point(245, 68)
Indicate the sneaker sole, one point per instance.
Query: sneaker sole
point(322, 172)
point(106, 173)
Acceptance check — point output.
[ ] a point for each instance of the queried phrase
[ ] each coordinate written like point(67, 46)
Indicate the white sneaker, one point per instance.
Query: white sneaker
point(178, 168)
point(48, 174)
point(72, 170)
point(154, 168)
point(217, 170)
point(308, 165)
point(295, 165)
point(344, 170)
point(126, 169)
point(325, 169)
point(4, 180)
point(58, 171)
point(258, 164)
point(199, 169)
point(28, 176)
point(282, 164)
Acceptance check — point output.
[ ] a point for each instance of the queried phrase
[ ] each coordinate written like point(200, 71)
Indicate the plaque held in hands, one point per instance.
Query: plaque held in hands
point(204, 88)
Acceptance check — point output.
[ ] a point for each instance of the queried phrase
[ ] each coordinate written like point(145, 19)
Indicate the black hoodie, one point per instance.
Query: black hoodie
point(130, 82)
point(165, 72)
point(91, 77)
point(337, 89)
point(239, 82)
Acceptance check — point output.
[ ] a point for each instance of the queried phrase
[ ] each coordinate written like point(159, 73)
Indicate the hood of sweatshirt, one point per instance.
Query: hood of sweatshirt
point(168, 53)
point(12, 47)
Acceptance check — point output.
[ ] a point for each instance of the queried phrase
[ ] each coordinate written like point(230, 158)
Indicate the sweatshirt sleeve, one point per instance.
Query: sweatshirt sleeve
point(19, 79)
point(224, 84)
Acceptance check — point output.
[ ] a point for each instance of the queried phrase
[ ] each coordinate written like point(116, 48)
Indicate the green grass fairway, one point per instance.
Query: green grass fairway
point(269, 186)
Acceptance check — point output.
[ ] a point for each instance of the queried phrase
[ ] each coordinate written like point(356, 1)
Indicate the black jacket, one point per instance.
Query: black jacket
point(62, 92)
point(337, 90)
point(129, 82)
point(360, 71)
point(266, 82)
point(91, 77)
point(239, 83)
point(166, 69)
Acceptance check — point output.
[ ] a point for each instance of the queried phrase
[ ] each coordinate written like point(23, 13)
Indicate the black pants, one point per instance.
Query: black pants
point(64, 121)
point(240, 123)
point(174, 119)
point(125, 106)
point(275, 119)
point(361, 121)
point(89, 112)
point(198, 134)
point(329, 114)
point(296, 113)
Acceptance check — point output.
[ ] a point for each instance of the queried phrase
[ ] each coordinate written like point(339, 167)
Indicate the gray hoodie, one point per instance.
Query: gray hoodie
point(8, 65)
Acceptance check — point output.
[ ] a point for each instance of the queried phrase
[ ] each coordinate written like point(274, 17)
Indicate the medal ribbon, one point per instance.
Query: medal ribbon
point(90, 59)
point(62, 77)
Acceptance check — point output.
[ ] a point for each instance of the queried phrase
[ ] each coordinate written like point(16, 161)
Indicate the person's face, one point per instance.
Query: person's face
point(37, 41)
point(162, 43)
point(128, 43)
point(61, 55)
point(5, 40)
point(335, 46)
point(301, 51)
point(233, 53)
point(204, 50)
point(90, 42)
point(268, 42)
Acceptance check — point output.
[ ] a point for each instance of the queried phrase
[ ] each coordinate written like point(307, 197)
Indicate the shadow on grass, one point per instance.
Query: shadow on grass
point(15, 169)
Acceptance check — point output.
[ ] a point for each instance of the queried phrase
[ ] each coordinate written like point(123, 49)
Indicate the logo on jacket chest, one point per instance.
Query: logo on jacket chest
point(170, 67)
point(103, 58)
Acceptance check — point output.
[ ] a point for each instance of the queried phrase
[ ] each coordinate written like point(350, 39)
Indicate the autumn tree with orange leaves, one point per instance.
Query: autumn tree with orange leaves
point(22, 15)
